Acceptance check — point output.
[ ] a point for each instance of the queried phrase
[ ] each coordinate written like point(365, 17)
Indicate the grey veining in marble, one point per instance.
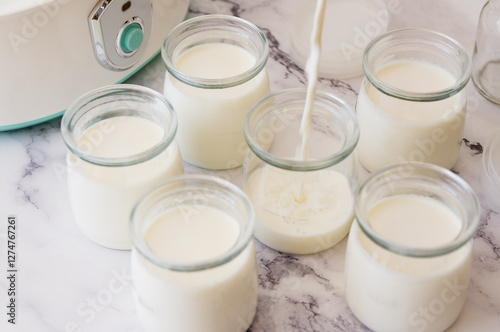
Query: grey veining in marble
point(67, 283)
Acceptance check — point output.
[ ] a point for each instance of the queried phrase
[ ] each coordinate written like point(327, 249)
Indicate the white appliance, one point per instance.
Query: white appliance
point(53, 51)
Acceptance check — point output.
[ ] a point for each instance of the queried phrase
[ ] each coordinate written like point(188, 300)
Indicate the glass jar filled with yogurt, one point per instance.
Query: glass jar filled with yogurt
point(412, 102)
point(193, 260)
point(215, 73)
point(409, 253)
point(302, 205)
point(121, 142)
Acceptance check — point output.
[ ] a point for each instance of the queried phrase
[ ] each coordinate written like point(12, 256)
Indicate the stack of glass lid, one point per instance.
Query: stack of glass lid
point(490, 177)
point(349, 25)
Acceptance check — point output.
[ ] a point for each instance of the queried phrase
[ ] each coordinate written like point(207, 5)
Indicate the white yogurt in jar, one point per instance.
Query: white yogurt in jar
point(391, 292)
point(102, 197)
point(395, 130)
point(210, 132)
point(218, 299)
point(300, 213)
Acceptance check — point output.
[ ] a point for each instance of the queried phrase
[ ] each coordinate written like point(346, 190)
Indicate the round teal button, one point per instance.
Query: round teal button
point(131, 38)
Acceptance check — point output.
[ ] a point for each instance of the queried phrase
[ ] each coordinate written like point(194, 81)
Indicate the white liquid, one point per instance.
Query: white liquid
point(101, 197)
point(394, 130)
point(390, 292)
point(219, 299)
point(312, 76)
point(211, 121)
point(312, 66)
point(300, 213)
point(181, 237)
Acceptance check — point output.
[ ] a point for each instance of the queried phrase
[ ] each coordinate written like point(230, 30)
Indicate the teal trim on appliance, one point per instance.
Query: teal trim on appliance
point(30, 123)
point(53, 116)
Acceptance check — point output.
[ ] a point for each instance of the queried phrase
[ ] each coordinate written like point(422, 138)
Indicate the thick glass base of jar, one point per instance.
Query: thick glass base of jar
point(300, 212)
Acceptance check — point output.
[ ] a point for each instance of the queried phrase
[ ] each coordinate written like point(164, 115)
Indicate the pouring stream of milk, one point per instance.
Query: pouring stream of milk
point(312, 76)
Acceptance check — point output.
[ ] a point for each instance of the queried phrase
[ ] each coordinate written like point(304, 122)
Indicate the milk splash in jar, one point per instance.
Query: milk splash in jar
point(302, 212)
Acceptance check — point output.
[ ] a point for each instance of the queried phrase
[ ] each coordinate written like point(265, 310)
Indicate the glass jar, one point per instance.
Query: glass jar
point(486, 56)
point(193, 260)
point(121, 142)
point(412, 102)
point(215, 73)
point(409, 253)
point(302, 205)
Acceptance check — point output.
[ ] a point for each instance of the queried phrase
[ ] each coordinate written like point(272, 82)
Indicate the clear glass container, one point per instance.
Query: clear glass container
point(348, 27)
point(486, 56)
point(490, 172)
point(302, 205)
point(215, 73)
point(193, 260)
point(409, 252)
point(121, 142)
point(412, 103)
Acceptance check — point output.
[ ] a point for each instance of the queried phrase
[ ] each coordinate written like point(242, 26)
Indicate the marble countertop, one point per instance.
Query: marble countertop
point(67, 283)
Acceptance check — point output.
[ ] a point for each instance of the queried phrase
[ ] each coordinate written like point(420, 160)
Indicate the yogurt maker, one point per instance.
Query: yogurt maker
point(52, 51)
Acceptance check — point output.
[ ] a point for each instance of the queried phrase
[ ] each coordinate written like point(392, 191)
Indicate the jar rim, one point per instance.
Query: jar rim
point(417, 35)
point(468, 228)
point(85, 103)
point(202, 181)
point(348, 147)
point(204, 23)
